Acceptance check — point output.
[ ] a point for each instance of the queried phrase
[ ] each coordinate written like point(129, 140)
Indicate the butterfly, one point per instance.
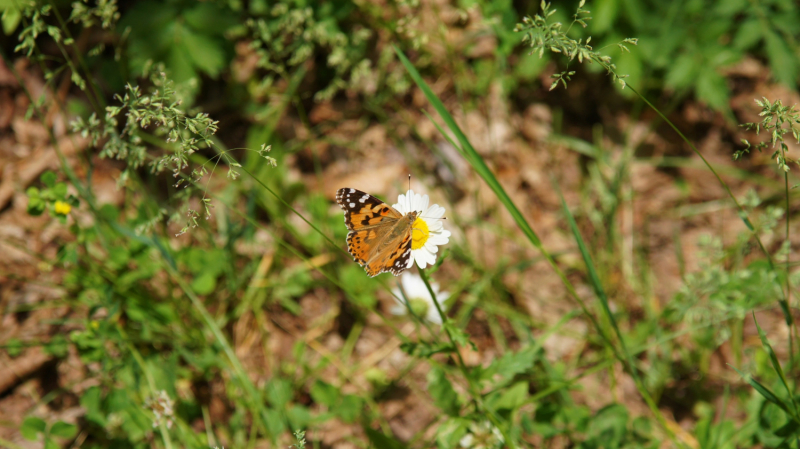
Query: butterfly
point(380, 236)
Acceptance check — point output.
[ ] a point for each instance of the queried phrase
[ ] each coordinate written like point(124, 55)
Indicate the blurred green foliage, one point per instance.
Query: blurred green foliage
point(187, 36)
point(156, 318)
point(686, 46)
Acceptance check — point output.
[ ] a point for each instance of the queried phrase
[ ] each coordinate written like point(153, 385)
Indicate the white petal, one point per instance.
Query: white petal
point(409, 199)
point(401, 204)
point(434, 226)
point(430, 258)
point(416, 286)
point(442, 237)
point(423, 204)
point(437, 239)
point(398, 310)
point(421, 258)
point(431, 247)
point(433, 315)
point(435, 211)
point(417, 256)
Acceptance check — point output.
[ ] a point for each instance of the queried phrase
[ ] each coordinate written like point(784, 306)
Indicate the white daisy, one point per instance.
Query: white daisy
point(419, 298)
point(429, 232)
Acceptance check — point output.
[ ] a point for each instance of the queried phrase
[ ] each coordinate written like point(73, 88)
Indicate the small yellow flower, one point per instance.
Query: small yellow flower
point(62, 208)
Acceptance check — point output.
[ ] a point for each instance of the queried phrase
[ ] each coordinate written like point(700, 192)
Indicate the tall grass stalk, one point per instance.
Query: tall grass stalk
point(479, 165)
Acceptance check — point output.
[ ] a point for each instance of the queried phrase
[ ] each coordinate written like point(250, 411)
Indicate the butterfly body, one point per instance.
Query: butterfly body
point(380, 236)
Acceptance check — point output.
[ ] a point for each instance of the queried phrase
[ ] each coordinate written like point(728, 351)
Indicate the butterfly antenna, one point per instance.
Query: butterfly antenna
point(409, 181)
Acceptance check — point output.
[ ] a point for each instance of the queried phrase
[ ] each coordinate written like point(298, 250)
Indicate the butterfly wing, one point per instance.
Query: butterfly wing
point(394, 253)
point(371, 222)
point(362, 210)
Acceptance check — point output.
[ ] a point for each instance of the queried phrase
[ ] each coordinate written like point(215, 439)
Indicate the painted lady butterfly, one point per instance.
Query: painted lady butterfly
point(380, 236)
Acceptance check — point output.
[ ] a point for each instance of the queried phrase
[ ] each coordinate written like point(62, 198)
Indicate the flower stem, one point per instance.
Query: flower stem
point(473, 389)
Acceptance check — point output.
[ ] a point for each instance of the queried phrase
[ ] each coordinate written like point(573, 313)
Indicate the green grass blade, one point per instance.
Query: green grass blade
point(775, 363)
point(477, 162)
point(767, 394)
point(469, 152)
point(597, 286)
point(483, 170)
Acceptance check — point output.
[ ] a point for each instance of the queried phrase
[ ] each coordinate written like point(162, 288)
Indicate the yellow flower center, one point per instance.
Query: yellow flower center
point(419, 233)
point(62, 208)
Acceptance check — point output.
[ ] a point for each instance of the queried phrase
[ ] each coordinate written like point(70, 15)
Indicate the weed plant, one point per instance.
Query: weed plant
point(182, 328)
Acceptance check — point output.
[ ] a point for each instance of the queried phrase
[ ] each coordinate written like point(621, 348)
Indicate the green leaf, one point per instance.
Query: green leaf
point(324, 393)
point(32, 427)
point(33, 192)
point(209, 18)
point(748, 33)
point(205, 53)
point(512, 397)
point(782, 60)
point(299, 417)
point(511, 364)
point(444, 396)
point(530, 66)
point(450, 432)
point(631, 64)
point(108, 212)
point(60, 191)
point(712, 88)
point(776, 365)
point(764, 391)
point(11, 17)
point(36, 206)
point(682, 72)
point(50, 444)
point(547, 412)
point(63, 430)
point(381, 441)
point(279, 392)
point(179, 62)
point(276, 425)
point(14, 346)
point(204, 284)
point(460, 337)
point(57, 346)
point(609, 426)
point(48, 178)
point(350, 408)
point(91, 401)
point(604, 13)
point(788, 429)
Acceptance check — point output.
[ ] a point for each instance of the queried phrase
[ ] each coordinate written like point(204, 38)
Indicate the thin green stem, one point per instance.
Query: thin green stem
point(477, 162)
point(150, 381)
point(252, 395)
point(278, 197)
point(742, 212)
point(100, 105)
point(477, 398)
